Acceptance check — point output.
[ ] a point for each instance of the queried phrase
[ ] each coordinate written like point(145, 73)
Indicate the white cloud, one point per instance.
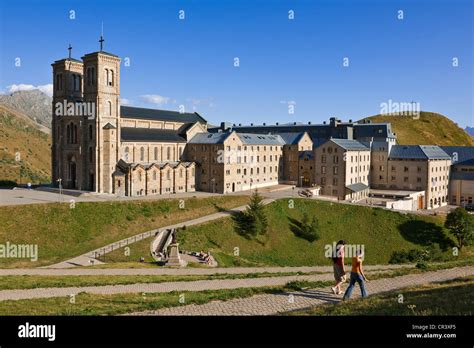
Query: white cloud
point(155, 99)
point(46, 89)
point(124, 101)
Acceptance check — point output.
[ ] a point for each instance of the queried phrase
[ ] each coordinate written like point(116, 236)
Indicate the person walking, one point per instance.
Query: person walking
point(338, 267)
point(357, 275)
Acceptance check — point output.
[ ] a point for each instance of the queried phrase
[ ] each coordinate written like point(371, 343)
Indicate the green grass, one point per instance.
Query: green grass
point(454, 297)
point(381, 231)
point(35, 281)
point(61, 232)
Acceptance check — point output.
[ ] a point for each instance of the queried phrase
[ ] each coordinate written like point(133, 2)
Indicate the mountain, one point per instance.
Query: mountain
point(34, 104)
point(19, 134)
point(429, 129)
point(470, 131)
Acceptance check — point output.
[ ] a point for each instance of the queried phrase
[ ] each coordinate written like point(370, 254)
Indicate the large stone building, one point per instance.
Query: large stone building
point(102, 146)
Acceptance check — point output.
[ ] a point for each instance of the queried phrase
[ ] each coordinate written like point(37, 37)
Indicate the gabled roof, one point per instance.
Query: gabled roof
point(291, 138)
point(209, 138)
point(357, 187)
point(159, 115)
point(459, 154)
point(350, 145)
point(308, 154)
point(151, 135)
point(109, 126)
point(417, 152)
point(260, 139)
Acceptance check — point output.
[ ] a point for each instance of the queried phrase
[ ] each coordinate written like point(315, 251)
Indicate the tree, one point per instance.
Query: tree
point(305, 228)
point(252, 221)
point(461, 225)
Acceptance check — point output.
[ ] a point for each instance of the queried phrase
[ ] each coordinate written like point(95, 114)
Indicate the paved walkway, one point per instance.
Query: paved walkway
point(89, 258)
point(179, 271)
point(198, 285)
point(271, 304)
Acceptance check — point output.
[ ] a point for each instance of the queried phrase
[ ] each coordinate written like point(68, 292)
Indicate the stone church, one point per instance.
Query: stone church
point(101, 146)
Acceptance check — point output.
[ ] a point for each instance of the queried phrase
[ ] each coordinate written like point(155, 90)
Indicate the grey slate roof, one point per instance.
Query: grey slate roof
point(159, 115)
point(376, 130)
point(462, 176)
point(350, 145)
point(307, 154)
point(291, 138)
point(260, 139)
point(246, 138)
point(463, 153)
point(357, 187)
point(151, 135)
point(417, 152)
point(209, 138)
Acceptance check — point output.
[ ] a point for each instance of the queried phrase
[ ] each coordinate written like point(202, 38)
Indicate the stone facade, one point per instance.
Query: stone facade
point(105, 147)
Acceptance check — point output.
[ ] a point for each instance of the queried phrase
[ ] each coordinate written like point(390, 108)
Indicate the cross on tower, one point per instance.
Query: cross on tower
point(69, 49)
point(101, 42)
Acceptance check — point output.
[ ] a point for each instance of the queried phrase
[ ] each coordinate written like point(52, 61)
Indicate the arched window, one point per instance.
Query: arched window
point(106, 80)
point(111, 78)
point(74, 136)
point(109, 108)
point(68, 134)
point(180, 153)
point(156, 154)
point(127, 153)
point(142, 154)
point(168, 153)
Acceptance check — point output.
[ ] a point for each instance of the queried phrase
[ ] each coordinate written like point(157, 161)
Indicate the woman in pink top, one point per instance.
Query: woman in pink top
point(338, 267)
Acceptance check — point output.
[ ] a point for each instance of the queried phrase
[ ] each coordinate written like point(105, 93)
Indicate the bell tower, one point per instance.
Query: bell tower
point(101, 72)
point(66, 126)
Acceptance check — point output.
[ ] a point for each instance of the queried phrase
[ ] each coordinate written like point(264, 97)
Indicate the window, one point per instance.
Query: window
point(334, 181)
point(142, 154)
point(323, 170)
point(168, 174)
point(154, 175)
point(323, 180)
point(155, 154)
point(334, 170)
point(323, 159)
point(109, 108)
point(168, 153)
point(90, 132)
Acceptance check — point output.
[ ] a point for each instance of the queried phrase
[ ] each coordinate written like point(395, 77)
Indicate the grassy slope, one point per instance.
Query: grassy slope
point(430, 129)
point(449, 298)
point(19, 134)
point(61, 232)
point(381, 231)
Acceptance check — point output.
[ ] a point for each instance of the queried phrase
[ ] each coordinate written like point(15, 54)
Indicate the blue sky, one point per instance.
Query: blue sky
point(282, 61)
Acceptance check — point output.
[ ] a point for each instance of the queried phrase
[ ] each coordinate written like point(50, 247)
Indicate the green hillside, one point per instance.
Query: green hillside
point(18, 134)
point(381, 231)
point(62, 232)
point(430, 129)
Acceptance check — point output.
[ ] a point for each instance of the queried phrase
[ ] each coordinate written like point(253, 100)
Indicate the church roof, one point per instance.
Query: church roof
point(160, 115)
point(151, 135)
